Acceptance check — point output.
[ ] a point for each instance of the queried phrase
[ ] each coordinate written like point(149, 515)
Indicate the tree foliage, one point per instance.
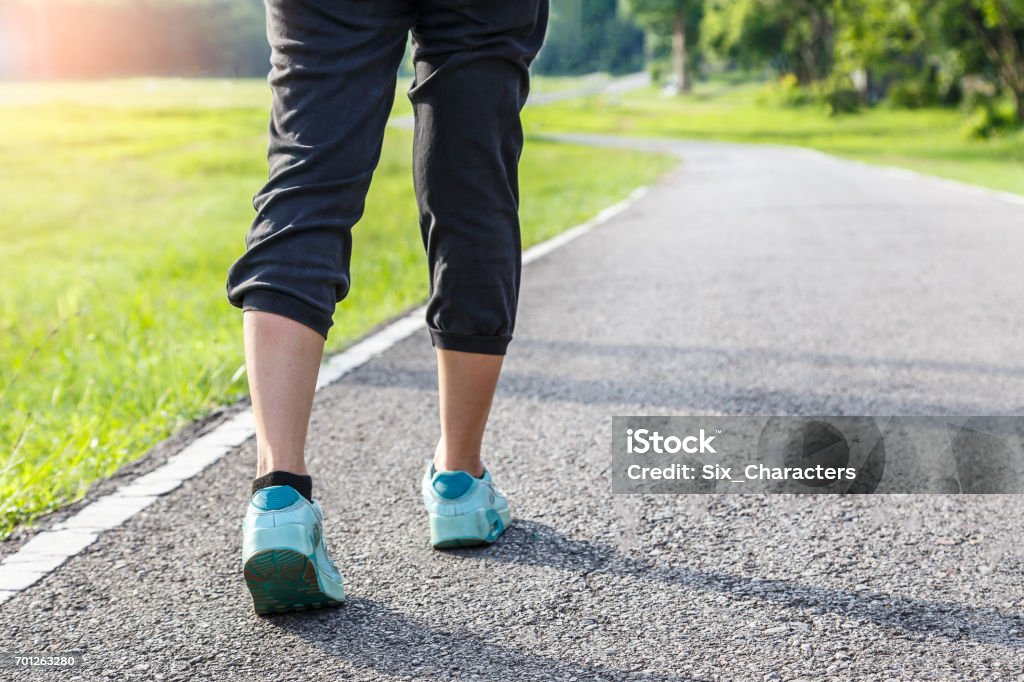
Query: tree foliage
point(676, 23)
point(794, 36)
point(590, 35)
point(987, 37)
point(882, 36)
point(917, 49)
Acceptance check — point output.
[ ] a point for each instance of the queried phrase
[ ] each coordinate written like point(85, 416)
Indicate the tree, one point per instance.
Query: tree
point(797, 36)
point(886, 41)
point(988, 38)
point(590, 35)
point(679, 19)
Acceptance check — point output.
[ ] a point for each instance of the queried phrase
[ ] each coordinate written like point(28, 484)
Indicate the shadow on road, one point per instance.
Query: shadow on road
point(717, 392)
point(536, 544)
point(369, 635)
point(704, 354)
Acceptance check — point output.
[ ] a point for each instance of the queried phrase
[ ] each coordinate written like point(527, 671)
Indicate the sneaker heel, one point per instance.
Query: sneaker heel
point(479, 527)
point(280, 575)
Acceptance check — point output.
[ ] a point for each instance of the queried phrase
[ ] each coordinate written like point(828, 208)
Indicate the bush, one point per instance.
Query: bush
point(950, 94)
point(789, 92)
point(990, 118)
point(988, 112)
point(785, 92)
point(913, 94)
point(839, 94)
point(842, 101)
point(657, 70)
point(977, 93)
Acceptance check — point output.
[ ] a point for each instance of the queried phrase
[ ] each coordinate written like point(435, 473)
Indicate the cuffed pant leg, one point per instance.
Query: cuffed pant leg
point(472, 79)
point(333, 77)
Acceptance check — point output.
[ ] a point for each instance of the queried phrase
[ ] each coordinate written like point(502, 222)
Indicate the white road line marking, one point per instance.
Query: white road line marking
point(544, 248)
point(45, 552)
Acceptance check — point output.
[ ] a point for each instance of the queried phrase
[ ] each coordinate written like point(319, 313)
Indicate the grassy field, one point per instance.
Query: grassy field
point(125, 203)
point(927, 140)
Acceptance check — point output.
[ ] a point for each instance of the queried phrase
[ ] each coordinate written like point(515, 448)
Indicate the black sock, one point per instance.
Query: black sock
point(302, 484)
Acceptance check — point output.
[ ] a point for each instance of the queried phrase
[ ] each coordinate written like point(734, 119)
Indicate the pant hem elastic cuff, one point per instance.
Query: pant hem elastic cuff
point(271, 301)
point(466, 343)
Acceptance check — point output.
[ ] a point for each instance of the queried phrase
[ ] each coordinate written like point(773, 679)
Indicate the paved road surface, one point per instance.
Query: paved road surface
point(751, 280)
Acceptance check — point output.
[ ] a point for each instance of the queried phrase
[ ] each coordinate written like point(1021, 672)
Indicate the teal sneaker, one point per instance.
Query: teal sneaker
point(464, 510)
point(284, 553)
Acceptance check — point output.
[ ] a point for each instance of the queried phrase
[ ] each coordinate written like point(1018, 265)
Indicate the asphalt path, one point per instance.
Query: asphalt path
point(751, 280)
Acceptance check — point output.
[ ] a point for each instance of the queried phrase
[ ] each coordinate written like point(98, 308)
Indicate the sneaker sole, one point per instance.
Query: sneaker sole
point(283, 580)
point(480, 527)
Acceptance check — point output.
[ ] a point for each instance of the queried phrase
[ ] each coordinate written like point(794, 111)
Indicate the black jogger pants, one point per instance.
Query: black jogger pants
point(333, 78)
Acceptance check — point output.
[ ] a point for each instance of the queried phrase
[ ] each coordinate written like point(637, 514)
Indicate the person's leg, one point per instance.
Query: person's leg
point(333, 78)
point(282, 358)
point(472, 78)
point(466, 383)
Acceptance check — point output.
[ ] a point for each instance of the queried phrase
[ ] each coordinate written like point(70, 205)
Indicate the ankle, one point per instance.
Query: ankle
point(445, 462)
point(268, 460)
point(474, 471)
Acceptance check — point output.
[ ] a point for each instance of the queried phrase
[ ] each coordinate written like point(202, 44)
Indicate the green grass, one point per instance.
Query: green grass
point(125, 202)
point(924, 140)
